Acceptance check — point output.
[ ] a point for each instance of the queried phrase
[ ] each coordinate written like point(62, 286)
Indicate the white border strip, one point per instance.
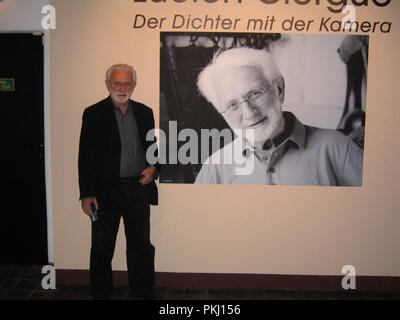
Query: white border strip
point(47, 146)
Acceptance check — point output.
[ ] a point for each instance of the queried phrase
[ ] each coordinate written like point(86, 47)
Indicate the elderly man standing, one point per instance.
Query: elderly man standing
point(247, 89)
point(116, 180)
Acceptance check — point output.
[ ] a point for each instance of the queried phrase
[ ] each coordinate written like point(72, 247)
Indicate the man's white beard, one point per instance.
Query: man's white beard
point(115, 96)
point(269, 131)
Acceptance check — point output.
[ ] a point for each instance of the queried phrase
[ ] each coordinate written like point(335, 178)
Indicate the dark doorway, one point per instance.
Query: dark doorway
point(23, 220)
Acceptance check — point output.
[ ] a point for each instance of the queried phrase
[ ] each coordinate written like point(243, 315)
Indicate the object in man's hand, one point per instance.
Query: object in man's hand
point(93, 215)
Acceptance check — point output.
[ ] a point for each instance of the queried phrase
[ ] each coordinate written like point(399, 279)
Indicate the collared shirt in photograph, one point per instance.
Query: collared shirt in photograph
point(304, 155)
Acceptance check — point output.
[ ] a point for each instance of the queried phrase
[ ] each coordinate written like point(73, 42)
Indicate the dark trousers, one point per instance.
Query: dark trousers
point(135, 212)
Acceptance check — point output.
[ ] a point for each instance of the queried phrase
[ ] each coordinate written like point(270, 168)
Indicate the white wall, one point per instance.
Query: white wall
point(21, 15)
point(225, 228)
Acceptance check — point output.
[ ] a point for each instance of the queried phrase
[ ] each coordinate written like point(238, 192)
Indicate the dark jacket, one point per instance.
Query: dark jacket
point(100, 150)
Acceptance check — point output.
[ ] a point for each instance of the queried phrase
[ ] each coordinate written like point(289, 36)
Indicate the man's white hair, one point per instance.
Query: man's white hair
point(236, 57)
point(120, 66)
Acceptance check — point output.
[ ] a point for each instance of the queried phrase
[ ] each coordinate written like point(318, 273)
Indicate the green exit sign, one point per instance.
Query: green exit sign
point(7, 84)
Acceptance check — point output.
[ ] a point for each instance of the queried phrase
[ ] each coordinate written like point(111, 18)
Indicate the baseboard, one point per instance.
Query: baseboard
point(248, 281)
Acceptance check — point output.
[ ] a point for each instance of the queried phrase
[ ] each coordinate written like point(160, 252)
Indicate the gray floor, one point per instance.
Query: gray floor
point(24, 283)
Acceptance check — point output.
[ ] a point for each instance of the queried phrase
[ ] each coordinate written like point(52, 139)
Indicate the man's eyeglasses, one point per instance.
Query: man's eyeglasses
point(118, 85)
point(253, 97)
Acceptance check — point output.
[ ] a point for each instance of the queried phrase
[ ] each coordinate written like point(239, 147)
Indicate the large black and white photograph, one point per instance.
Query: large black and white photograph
point(262, 108)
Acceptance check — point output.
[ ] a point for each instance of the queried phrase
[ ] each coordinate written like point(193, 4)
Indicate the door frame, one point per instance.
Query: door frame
point(47, 145)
